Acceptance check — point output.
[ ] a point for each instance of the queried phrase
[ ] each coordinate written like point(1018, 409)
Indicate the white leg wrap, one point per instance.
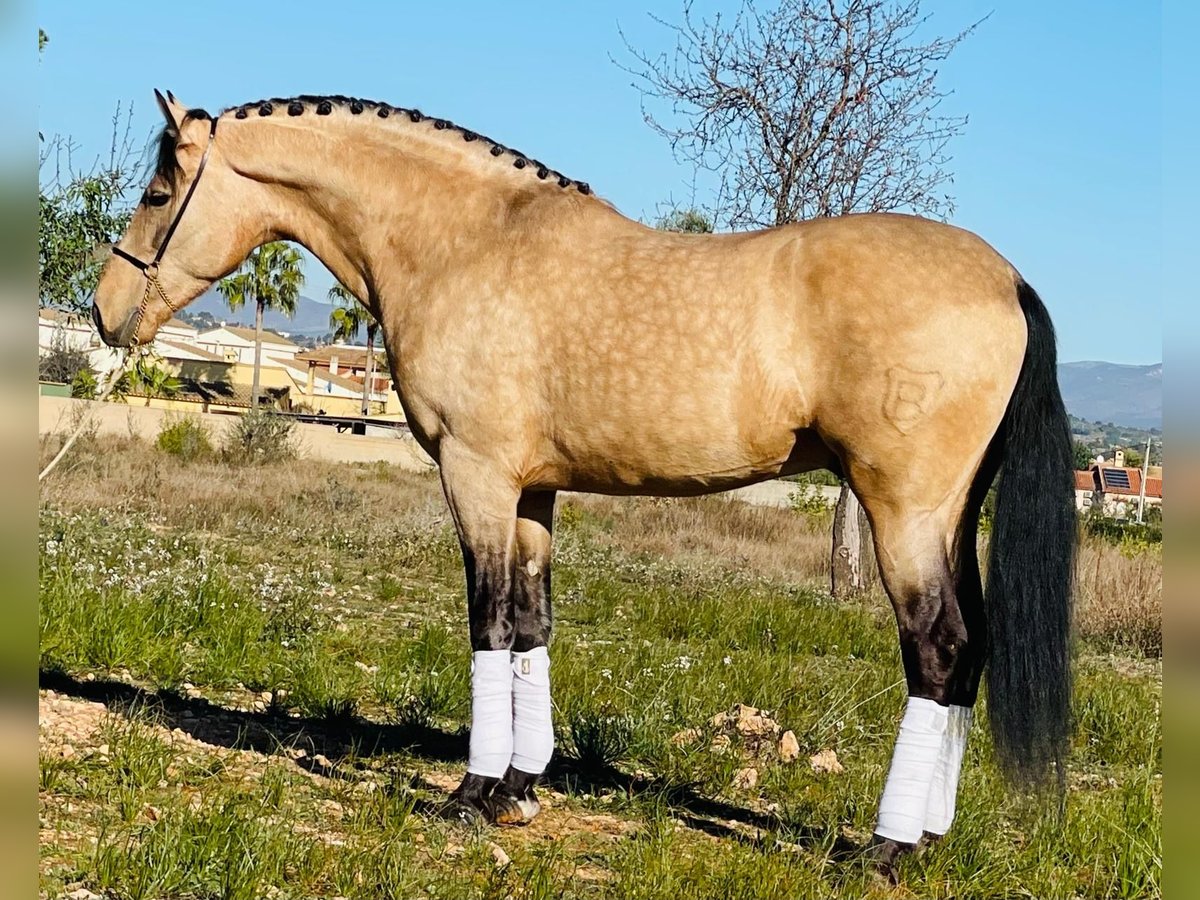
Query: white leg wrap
point(905, 800)
point(491, 713)
point(944, 789)
point(533, 731)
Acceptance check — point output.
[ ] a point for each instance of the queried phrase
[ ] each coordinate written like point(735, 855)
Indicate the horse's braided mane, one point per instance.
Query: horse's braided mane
point(323, 106)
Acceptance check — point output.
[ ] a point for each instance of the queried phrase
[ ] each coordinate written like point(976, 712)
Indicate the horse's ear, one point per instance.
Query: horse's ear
point(173, 111)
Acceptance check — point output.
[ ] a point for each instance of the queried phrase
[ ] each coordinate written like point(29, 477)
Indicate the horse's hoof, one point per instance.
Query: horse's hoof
point(461, 812)
point(929, 840)
point(514, 801)
point(467, 804)
point(511, 810)
point(884, 854)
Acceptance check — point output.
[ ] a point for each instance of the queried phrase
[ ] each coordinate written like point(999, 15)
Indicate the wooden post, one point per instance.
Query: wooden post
point(851, 534)
point(258, 330)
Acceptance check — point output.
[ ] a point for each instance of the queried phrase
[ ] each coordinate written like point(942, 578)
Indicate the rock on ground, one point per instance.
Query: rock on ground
point(789, 747)
point(825, 762)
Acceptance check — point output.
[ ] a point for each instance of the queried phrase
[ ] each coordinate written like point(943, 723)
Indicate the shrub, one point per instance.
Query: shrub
point(1123, 531)
point(811, 503)
point(186, 438)
point(814, 476)
point(84, 386)
point(259, 437)
point(600, 738)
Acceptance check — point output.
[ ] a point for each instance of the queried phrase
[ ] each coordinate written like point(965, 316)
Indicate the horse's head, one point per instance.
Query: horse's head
point(195, 222)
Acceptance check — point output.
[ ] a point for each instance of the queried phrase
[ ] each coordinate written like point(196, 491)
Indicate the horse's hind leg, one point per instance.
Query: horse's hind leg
point(963, 688)
point(483, 503)
point(514, 801)
point(940, 643)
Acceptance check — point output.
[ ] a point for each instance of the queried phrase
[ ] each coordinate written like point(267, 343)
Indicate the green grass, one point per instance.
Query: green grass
point(354, 622)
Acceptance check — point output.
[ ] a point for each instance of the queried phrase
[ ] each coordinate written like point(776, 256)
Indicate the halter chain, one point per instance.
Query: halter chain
point(151, 273)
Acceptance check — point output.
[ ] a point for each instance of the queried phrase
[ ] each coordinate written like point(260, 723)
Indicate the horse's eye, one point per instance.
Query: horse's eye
point(157, 198)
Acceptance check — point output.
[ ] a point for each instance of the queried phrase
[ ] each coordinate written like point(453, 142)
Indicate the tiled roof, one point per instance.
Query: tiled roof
point(192, 349)
point(50, 314)
point(1085, 481)
point(1127, 481)
point(349, 357)
point(247, 334)
point(219, 392)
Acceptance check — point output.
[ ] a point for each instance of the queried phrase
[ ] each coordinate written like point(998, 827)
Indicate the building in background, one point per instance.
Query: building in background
point(73, 331)
point(213, 368)
point(331, 378)
point(1116, 489)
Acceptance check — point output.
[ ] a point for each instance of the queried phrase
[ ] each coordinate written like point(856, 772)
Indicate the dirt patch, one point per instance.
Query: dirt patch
point(71, 729)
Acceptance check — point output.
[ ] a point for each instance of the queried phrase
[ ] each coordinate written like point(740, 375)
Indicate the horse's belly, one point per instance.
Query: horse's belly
point(623, 479)
point(685, 462)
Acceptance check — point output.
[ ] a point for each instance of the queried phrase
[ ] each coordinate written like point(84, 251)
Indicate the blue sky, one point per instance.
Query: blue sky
point(1060, 167)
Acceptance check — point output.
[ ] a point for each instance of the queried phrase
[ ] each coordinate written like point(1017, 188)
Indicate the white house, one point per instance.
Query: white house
point(71, 331)
point(180, 332)
point(57, 328)
point(175, 341)
point(234, 343)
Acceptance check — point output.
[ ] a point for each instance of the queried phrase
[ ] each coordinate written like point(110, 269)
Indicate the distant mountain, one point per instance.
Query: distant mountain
point(1108, 392)
point(311, 319)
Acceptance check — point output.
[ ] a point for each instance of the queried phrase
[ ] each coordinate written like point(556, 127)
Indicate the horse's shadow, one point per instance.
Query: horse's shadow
point(334, 747)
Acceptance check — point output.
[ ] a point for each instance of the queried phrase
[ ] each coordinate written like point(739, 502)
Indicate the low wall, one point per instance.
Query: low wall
point(59, 414)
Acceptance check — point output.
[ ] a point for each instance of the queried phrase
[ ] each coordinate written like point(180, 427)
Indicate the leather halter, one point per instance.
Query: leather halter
point(150, 269)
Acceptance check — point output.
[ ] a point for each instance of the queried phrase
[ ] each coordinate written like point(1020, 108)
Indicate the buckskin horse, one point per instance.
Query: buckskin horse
point(540, 341)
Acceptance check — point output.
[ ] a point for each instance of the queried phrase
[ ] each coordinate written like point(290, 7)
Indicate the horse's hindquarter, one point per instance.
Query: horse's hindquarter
point(917, 341)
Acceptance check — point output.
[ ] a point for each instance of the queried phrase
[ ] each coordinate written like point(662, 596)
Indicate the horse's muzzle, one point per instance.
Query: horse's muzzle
point(123, 336)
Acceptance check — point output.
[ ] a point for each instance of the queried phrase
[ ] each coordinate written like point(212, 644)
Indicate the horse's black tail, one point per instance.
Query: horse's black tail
point(1031, 565)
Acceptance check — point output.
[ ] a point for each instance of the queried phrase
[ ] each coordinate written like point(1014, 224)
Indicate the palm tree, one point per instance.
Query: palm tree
point(270, 278)
point(347, 317)
point(154, 381)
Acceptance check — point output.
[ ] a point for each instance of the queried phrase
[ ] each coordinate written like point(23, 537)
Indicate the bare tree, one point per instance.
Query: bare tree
point(808, 108)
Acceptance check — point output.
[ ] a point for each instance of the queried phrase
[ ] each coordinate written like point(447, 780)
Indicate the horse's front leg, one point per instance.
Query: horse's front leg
point(483, 503)
point(514, 801)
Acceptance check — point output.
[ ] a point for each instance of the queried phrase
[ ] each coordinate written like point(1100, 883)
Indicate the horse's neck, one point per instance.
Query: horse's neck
point(387, 212)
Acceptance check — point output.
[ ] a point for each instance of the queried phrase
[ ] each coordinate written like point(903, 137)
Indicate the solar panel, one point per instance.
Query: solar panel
point(1117, 478)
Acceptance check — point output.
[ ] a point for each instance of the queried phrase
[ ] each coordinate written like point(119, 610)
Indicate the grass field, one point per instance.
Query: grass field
point(255, 683)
